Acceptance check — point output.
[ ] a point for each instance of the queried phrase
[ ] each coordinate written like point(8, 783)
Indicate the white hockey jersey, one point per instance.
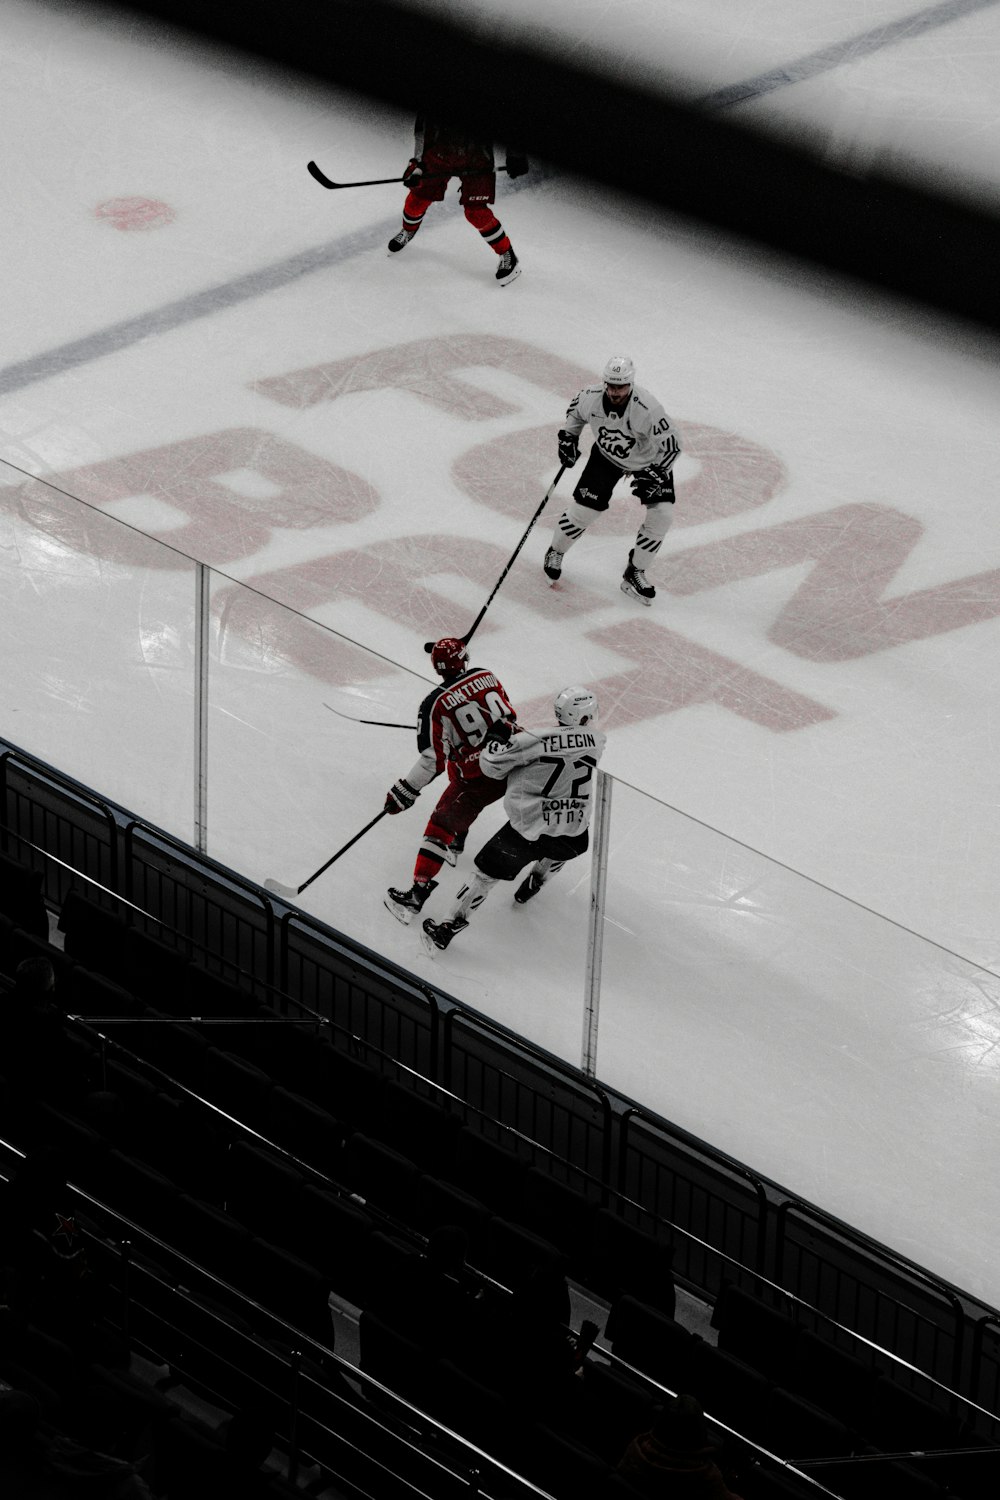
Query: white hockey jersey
point(632, 436)
point(550, 778)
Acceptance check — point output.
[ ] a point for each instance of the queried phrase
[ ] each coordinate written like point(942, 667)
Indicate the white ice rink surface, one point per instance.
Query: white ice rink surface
point(802, 940)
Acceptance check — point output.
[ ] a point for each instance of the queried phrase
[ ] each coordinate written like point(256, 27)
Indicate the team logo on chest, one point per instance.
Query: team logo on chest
point(614, 443)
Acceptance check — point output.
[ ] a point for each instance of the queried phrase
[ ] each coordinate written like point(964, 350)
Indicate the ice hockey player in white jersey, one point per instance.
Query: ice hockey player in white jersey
point(550, 786)
point(632, 436)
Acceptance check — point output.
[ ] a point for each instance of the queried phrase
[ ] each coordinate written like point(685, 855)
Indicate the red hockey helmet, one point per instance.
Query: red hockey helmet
point(449, 656)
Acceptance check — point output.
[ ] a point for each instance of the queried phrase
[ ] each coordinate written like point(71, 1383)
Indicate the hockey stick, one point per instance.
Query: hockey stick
point(289, 892)
point(328, 182)
point(381, 723)
point(429, 645)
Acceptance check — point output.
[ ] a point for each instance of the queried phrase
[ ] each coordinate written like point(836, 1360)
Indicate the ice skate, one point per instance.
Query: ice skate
point(553, 563)
point(509, 268)
point(405, 905)
point(400, 241)
point(529, 887)
point(437, 935)
point(634, 583)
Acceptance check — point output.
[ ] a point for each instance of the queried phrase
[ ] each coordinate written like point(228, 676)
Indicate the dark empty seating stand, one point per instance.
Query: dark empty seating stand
point(512, 1253)
point(653, 1343)
point(377, 1172)
point(840, 1382)
point(901, 1420)
point(210, 1236)
point(262, 1190)
point(626, 1261)
point(730, 1389)
point(419, 1126)
point(757, 1482)
point(21, 899)
point(157, 972)
point(564, 1468)
point(94, 934)
point(349, 1089)
point(491, 1172)
point(139, 1193)
point(794, 1429)
point(305, 1129)
point(237, 1086)
point(474, 1409)
point(559, 1214)
point(755, 1331)
point(617, 1406)
point(94, 995)
point(393, 1360)
point(285, 1284)
point(336, 1235)
point(439, 1204)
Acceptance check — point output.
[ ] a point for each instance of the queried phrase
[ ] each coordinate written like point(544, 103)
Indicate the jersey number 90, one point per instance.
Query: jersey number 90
point(474, 723)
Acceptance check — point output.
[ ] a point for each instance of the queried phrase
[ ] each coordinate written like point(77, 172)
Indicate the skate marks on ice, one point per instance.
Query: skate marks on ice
point(235, 488)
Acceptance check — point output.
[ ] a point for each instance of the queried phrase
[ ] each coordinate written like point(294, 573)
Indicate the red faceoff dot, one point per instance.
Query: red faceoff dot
point(135, 213)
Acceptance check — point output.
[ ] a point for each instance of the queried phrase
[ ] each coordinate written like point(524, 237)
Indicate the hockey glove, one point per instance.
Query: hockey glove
point(500, 733)
point(517, 164)
point(414, 174)
point(400, 796)
point(569, 449)
point(652, 486)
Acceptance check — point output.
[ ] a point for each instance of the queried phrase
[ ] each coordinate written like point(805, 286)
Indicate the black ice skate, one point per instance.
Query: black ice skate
point(437, 935)
point(400, 241)
point(553, 563)
point(529, 887)
point(405, 905)
point(634, 583)
point(509, 268)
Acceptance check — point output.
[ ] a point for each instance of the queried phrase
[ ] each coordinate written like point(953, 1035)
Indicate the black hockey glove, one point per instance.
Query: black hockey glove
point(569, 449)
point(414, 173)
point(652, 486)
point(517, 164)
point(400, 796)
point(501, 733)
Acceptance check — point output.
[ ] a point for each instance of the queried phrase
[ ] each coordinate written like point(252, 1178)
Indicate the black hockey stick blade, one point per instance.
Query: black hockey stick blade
point(380, 723)
point(289, 892)
point(467, 637)
point(328, 182)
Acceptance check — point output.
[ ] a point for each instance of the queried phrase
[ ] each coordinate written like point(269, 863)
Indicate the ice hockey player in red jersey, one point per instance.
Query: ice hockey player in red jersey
point(454, 723)
point(441, 152)
point(633, 436)
point(549, 784)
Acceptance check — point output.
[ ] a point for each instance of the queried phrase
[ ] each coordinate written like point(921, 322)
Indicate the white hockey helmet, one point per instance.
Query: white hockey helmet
point(575, 707)
point(619, 370)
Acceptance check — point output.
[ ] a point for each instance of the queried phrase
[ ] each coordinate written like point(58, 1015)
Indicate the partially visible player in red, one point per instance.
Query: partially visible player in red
point(441, 152)
point(453, 725)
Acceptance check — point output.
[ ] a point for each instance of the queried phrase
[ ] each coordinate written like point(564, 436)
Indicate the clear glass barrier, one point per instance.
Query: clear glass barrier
point(830, 1048)
point(843, 1056)
point(99, 668)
